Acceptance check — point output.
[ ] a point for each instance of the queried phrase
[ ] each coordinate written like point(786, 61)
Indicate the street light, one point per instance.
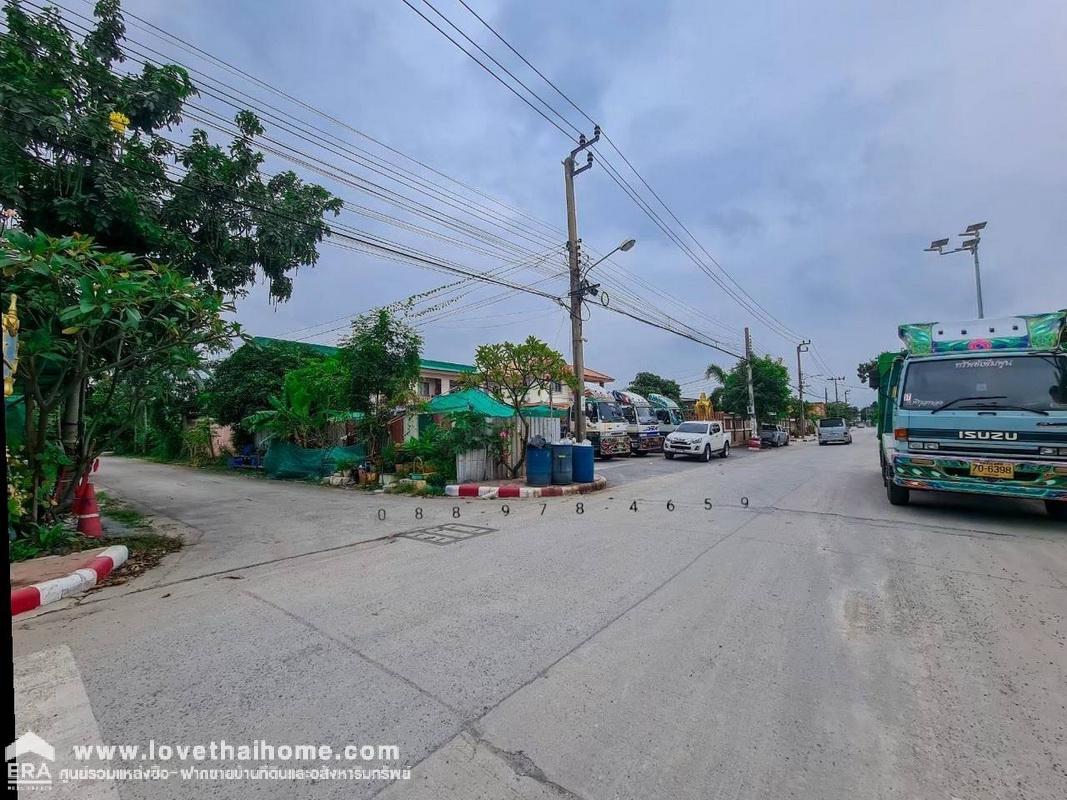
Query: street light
point(971, 246)
point(622, 248)
point(580, 287)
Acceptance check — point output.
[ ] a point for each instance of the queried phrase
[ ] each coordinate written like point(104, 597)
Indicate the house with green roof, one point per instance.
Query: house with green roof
point(435, 377)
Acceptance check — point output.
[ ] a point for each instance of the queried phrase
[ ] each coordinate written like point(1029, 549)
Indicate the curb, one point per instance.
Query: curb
point(515, 491)
point(39, 594)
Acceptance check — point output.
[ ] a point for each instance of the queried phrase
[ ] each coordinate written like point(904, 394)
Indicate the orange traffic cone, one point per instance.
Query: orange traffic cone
point(87, 511)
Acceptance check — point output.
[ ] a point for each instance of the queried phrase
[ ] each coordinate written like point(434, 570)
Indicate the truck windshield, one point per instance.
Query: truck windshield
point(645, 415)
point(606, 412)
point(1032, 382)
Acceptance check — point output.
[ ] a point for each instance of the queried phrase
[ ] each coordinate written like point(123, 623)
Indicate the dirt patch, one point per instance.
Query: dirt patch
point(146, 551)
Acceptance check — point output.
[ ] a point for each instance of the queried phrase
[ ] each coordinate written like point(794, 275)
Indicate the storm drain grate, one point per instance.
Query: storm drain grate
point(446, 534)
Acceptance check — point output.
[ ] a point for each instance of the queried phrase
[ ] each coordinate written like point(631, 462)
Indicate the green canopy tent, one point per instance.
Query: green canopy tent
point(469, 400)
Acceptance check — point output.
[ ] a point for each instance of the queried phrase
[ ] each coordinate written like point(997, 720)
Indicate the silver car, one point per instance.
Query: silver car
point(834, 429)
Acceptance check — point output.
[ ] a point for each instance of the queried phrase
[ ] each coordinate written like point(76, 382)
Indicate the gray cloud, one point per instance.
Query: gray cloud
point(814, 148)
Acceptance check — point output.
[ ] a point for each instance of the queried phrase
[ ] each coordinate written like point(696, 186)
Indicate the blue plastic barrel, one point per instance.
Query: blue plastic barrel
point(538, 466)
point(583, 463)
point(562, 464)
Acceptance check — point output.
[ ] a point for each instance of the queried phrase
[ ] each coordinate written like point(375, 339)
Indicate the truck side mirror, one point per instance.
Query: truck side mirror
point(874, 379)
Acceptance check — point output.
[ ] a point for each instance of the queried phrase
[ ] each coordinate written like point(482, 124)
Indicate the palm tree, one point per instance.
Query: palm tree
point(716, 373)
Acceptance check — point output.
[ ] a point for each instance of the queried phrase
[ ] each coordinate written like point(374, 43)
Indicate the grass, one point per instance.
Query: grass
point(146, 547)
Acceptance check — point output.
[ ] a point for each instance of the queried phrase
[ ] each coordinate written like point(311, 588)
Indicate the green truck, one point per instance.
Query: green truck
point(978, 407)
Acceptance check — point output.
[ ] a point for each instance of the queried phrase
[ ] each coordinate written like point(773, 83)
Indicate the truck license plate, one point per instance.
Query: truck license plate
point(993, 469)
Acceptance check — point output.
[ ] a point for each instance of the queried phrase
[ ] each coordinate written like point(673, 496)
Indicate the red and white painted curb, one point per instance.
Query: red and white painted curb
point(513, 490)
point(41, 594)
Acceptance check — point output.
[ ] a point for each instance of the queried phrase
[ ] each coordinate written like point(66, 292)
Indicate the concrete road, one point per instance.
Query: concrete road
point(621, 471)
point(800, 638)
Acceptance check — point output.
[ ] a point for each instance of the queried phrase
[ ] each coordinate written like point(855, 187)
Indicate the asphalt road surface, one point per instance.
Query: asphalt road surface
point(800, 638)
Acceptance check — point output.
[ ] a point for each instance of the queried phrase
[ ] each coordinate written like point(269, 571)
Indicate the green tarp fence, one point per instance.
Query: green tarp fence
point(15, 415)
point(286, 460)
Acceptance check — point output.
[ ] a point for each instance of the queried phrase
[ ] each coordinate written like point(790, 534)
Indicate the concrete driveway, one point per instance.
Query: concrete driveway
point(799, 638)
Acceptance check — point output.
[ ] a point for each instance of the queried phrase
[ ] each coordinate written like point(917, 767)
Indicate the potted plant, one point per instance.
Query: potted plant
point(343, 470)
point(389, 466)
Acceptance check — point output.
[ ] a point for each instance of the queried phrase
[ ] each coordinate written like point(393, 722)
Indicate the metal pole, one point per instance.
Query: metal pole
point(978, 279)
point(578, 354)
point(802, 347)
point(751, 391)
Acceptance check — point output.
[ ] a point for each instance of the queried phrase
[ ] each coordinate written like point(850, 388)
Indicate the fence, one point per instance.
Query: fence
point(475, 465)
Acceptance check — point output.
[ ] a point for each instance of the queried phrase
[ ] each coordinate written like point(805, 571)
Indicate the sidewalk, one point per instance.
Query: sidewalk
point(46, 568)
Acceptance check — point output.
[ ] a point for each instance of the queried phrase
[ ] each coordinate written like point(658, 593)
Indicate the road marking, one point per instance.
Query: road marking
point(446, 534)
point(51, 701)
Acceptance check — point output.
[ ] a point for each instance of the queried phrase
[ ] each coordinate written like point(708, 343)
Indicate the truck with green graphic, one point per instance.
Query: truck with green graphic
point(978, 407)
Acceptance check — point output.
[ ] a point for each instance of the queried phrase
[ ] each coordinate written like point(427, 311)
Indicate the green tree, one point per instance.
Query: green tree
point(243, 382)
point(148, 414)
point(100, 323)
point(864, 369)
point(770, 383)
point(83, 150)
point(381, 359)
point(512, 371)
point(311, 398)
point(645, 383)
point(843, 410)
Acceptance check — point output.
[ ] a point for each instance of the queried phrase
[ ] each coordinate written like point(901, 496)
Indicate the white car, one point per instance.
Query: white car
point(697, 439)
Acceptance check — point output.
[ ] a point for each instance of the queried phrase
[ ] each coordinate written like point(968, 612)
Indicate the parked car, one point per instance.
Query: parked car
point(834, 429)
point(773, 436)
point(700, 439)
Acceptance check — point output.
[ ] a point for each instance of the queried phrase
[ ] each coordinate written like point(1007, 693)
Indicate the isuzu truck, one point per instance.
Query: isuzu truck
point(641, 423)
point(605, 425)
point(668, 412)
point(978, 407)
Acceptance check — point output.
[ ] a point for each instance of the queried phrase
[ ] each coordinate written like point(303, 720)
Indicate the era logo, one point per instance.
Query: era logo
point(23, 773)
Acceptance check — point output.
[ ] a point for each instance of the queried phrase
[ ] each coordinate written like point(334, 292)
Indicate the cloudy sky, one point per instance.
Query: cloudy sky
point(814, 149)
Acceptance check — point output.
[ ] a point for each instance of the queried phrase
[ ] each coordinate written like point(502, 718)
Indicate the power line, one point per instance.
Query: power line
point(751, 304)
point(393, 198)
point(387, 249)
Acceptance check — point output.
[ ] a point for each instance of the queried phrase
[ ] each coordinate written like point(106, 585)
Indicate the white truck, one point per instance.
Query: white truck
point(641, 423)
point(605, 425)
point(668, 412)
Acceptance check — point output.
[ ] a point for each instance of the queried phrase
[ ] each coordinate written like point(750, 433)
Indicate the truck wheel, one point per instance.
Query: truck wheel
point(725, 452)
point(1056, 510)
point(706, 455)
point(898, 495)
point(668, 456)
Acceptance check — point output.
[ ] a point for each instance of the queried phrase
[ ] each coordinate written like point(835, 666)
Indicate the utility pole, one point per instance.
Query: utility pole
point(751, 392)
point(802, 348)
point(573, 243)
point(837, 399)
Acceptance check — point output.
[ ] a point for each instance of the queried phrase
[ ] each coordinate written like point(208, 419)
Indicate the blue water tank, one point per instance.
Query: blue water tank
point(562, 464)
point(538, 466)
point(583, 462)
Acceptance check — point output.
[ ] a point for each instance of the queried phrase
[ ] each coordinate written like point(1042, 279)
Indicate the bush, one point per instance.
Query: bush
point(41, 539)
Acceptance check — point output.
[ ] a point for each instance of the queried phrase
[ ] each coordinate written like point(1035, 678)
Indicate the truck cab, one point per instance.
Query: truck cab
point(642, 426)
point(605, 425)
point(977, 407)
point(668, 413)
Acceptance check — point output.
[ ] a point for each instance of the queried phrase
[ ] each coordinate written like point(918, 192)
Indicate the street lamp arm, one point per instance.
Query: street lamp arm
point(627, 245)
